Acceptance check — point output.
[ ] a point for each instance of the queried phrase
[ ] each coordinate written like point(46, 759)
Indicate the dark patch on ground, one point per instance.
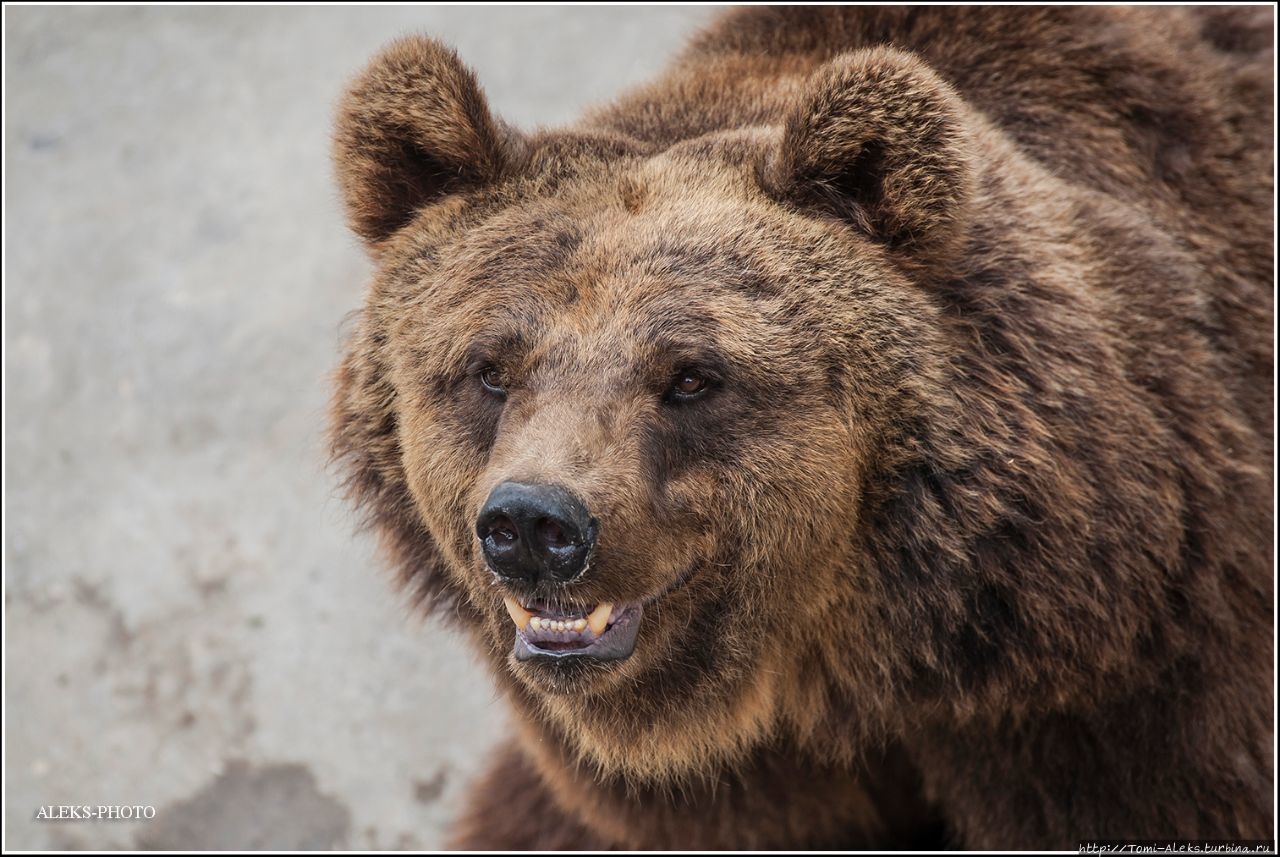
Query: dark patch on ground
point(277, 807)
point(44, 142)
point(90, 595)
point(429, 791)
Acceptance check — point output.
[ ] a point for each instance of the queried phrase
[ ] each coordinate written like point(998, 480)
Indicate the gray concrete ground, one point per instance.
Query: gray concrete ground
point(191, 622)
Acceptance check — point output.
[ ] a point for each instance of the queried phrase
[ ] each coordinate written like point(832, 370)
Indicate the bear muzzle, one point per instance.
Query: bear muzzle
point(539, 537)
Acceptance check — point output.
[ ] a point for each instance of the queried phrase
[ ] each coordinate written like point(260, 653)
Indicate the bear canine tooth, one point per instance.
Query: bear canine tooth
point(519, 615)
point(599, 617)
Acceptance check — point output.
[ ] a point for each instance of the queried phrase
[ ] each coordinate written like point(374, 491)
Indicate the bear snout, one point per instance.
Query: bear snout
point(537, 533)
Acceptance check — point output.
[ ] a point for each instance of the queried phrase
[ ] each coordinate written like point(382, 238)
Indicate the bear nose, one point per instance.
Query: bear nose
point(534, 533)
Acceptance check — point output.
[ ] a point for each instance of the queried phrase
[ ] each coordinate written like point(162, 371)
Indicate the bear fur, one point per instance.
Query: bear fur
point(968, 542)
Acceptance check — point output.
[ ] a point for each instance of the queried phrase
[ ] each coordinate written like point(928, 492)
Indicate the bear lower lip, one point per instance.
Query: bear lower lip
point(615, 642)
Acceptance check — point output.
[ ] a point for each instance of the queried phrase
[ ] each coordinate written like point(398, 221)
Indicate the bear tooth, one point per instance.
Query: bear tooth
point(599, 617)
point(579, 624)
point(519, 615)
point(535, 623)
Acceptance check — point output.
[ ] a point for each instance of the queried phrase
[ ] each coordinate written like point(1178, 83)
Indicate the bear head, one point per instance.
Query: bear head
point(623, 408)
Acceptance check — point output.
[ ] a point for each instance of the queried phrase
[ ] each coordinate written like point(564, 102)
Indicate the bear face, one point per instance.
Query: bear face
point(643, 330)
point(592, 339)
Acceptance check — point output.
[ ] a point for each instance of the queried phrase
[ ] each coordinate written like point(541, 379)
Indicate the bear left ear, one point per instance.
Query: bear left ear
point(880, 141)
point(413, 128)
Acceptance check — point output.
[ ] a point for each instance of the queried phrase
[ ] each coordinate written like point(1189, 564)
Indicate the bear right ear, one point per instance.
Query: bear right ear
point(882, 142)
point(412, 128)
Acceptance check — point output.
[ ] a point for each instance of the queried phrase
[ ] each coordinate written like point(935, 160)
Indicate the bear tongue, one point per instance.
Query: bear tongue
point(597, 619)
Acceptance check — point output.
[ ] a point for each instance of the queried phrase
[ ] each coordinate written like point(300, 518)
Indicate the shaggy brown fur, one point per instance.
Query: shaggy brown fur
point(969, 540)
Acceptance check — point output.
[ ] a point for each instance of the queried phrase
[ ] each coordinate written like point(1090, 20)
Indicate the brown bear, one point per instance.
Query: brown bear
point(860, 436)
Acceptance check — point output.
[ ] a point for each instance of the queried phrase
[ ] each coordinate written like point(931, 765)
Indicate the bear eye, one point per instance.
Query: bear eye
point(687, 386)
point(493, 382)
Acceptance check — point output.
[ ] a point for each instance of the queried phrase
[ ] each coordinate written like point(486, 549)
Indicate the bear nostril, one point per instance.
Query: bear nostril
point(503, 530)
point(552, 534)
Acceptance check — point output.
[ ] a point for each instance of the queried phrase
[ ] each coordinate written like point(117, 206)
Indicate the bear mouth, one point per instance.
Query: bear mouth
point(605, 632)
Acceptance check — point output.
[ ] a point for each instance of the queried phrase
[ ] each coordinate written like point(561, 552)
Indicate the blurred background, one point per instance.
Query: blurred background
point(191, 621)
